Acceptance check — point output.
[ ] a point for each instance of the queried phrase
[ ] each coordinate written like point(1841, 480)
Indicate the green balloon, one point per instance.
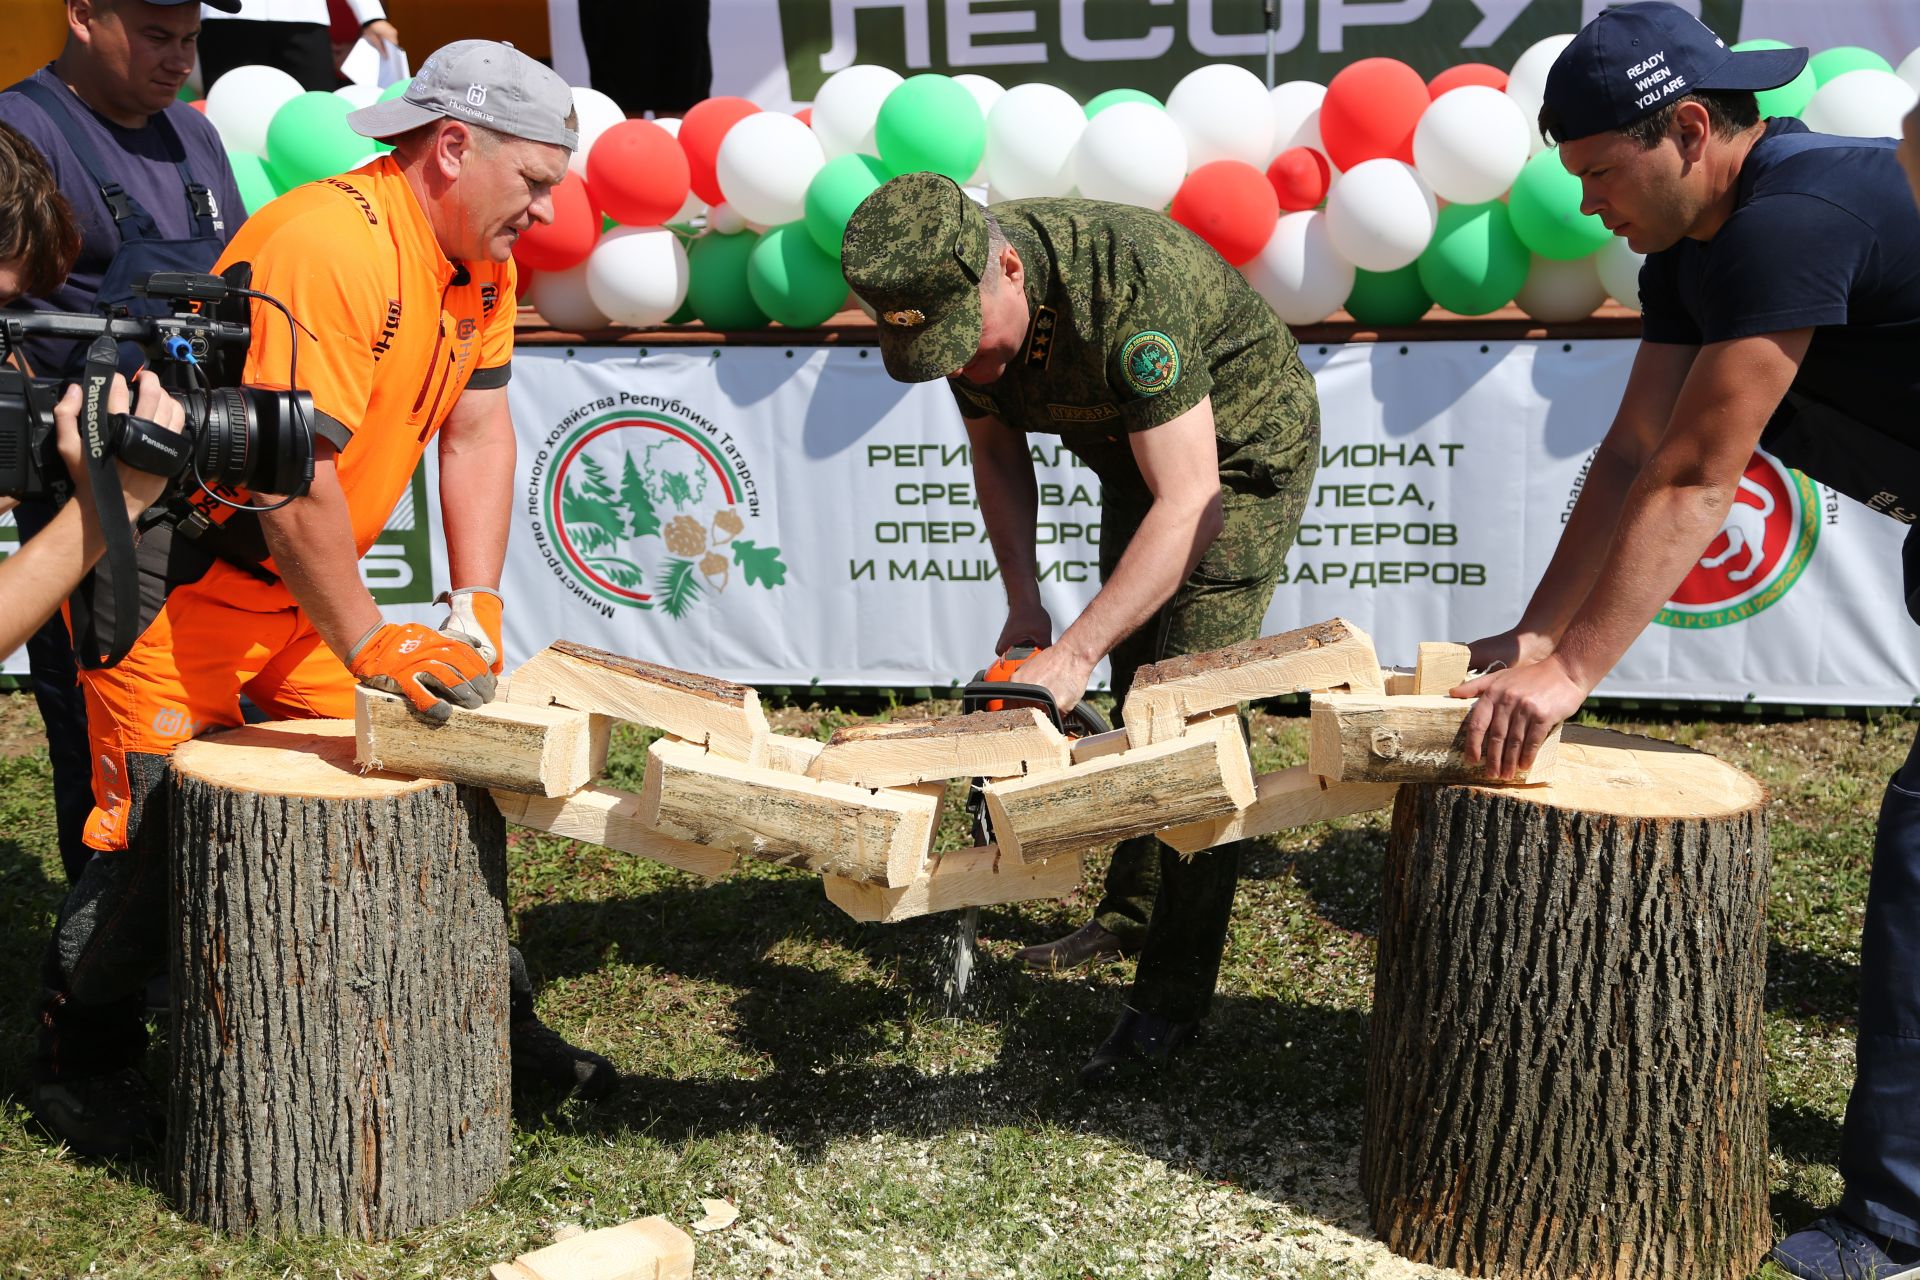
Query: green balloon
point(1101, 101)
point(309, 139)
point(792, 280)
point(251, 176)
point(1474, 263)
point(717, 282)
point(187, 94)
point(1841, 59)
point(835, 192)
point(931, 123)
point(1790, 99)
point(1382, 298)
point(1545, 204)
point(395, 89)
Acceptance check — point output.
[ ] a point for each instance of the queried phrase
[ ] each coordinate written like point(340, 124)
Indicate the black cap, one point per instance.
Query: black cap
point(1632, 60)
point(224, 6)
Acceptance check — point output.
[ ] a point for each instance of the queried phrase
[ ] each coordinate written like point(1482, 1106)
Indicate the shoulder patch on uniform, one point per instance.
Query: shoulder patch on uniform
point(1082, 412)
point(1149, 363)
point(1040, 343)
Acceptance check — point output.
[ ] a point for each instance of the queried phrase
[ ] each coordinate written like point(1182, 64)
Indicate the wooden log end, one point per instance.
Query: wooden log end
point(643, 1249)
point(547, 751)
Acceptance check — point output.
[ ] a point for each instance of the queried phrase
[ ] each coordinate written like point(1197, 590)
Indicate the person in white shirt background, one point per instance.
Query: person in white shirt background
point(293, 35)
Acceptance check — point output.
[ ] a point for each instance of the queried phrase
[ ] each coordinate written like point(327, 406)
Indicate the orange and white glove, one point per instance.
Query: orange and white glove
point(474, 616)
point(435, 673)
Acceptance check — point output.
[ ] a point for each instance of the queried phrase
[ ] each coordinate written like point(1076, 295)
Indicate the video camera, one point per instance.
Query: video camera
point(234, 437)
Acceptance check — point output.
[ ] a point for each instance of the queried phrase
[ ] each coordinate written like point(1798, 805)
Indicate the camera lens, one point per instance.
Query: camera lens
point(257, 440)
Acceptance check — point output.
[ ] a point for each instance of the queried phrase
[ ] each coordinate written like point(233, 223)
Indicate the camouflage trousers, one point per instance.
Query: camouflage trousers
point(1175, 910)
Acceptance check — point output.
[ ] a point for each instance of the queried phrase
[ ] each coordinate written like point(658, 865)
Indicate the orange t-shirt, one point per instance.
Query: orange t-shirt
point(397, 330)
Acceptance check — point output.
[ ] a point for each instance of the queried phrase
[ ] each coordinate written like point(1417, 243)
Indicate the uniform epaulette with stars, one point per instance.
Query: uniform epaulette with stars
point(1040, 343)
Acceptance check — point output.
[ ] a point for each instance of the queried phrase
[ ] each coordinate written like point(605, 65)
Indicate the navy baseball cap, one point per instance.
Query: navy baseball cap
point(1634, 59)
point(224, 6)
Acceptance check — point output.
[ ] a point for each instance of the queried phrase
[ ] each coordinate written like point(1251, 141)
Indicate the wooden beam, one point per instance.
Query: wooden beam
point(724, 717)
point(1442, 666)
point(880, 837)
point(605, 816)
point(987, 744)
point(544, 751)
point(1110, 743)
point(1286, 798)
point(1327, 655)
point(1366, 738)
point(1205, 773)
point(978, 877)
point(644, 1249)
point(790, 754)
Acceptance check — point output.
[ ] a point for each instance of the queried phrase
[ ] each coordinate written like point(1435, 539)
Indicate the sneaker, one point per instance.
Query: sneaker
point(1836, 1248)
point(107, 1115)
point(541, 1053)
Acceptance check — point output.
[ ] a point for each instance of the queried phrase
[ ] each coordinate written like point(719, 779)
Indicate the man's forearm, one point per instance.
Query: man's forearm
point(1581, 555)
point(1010, 504)
point(43, 572)
point(476, 502)
point(311, 540)
point(1163, 551)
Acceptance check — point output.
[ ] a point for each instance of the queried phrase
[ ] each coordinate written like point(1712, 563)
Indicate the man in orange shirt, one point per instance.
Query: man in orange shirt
point(401, 279)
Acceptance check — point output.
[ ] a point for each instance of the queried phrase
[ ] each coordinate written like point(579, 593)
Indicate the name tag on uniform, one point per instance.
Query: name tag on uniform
point(1082, 412)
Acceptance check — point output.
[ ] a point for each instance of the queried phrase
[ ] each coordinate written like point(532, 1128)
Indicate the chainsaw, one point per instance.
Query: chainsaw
point(995, 689)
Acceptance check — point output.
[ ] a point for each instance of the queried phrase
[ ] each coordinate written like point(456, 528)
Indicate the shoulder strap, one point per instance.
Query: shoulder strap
point(199, 199)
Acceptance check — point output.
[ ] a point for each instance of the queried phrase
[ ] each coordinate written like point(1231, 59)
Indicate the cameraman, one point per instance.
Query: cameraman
point(400, 277)
point(152, 191)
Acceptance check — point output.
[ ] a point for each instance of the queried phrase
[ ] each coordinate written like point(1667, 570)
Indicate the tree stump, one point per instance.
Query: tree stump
point(339, 978)
point(1566, 1073)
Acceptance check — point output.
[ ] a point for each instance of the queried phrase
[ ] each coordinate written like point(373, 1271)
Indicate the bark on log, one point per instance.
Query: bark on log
point(339, 979)
point(1566, 1073)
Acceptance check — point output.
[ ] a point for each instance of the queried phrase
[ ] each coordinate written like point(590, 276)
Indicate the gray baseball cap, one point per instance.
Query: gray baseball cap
point(483, 82)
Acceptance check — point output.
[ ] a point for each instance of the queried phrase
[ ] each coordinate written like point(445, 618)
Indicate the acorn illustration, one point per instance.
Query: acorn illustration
point(686, 536)
point(726, 525)
point(716, 568)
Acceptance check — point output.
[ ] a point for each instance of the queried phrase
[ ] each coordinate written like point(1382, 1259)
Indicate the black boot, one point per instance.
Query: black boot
point(1140, 1043)
point(1089, 942)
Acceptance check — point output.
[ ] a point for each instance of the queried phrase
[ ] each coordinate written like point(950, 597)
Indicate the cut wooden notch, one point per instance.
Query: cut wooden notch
point(1442, 666)
point(1202, 774)
point(1110, 743)
point(605, 816)
point(791, 755)
point(644, 1249)
point(989, 744)
point(1284, 799)
point(1417, 738)
point(979, 877)
point(722, 716)
point(1399, 680)
point(1327, 655)
point(543, 751)
point(880, 837)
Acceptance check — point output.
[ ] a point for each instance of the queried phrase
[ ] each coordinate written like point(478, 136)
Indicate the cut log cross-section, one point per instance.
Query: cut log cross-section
point(722, 716)
point(340, 989)
point(990, 744)
point(1442, 666)
point(1203, 774)
point(1416, 738)
point(1328, 655)
point(880, 837)
point(542, 751)
point(1565, 1075)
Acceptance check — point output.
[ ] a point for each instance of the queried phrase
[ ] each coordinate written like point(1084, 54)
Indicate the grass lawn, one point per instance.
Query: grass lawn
point(804, 1067)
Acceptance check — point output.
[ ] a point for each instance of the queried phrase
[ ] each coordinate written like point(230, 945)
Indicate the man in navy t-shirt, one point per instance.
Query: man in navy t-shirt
point(1781, 308)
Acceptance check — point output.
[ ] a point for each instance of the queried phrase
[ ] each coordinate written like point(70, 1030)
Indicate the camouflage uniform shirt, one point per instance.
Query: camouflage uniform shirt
point(1135, 320)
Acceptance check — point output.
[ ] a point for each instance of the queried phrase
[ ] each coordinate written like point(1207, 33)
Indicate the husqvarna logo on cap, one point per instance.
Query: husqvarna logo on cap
point(477, 95)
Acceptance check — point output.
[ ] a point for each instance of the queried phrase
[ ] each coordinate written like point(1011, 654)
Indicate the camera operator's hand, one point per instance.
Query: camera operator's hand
point(433, 672)
point(139, 488)
point(474, 618)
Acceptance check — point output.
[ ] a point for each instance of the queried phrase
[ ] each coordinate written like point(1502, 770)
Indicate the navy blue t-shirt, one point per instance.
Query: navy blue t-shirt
point(142, 161)
point(1825, 235)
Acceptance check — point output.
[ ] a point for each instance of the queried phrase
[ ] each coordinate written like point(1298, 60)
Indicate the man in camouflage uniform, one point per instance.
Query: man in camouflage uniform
point(1160, 368)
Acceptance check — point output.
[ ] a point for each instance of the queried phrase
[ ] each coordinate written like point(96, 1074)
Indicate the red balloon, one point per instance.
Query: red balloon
point(200, 105)
point(569, 238)
point(1300, 178)
point(1229, 204)
point(1370, 111)
point(637, 174)
point(805, 116)
point(701, 131)
point(1465, 74)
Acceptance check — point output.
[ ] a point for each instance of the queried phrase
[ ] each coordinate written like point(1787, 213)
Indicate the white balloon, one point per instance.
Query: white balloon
point(723, 219)
point(985, 94)
point(765, 164)
point(1470, 144)
point(242, 102)
point(1557, 292)
point(359, 95)
point(1381, 214)
point(1296, 116)
point(637, 275)
point(846, 107)
point(1527, 84)
point(1909, 69)
point(1225, 113)
point(1619, 268)
point(1030, 140)
point(1299, 272)
point(694, 205)
point(597, 113)
point(1868, 103)
point(563, 300)
point(1131, 153)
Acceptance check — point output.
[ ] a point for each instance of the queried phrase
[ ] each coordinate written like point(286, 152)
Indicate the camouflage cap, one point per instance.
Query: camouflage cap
point(915, 251)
